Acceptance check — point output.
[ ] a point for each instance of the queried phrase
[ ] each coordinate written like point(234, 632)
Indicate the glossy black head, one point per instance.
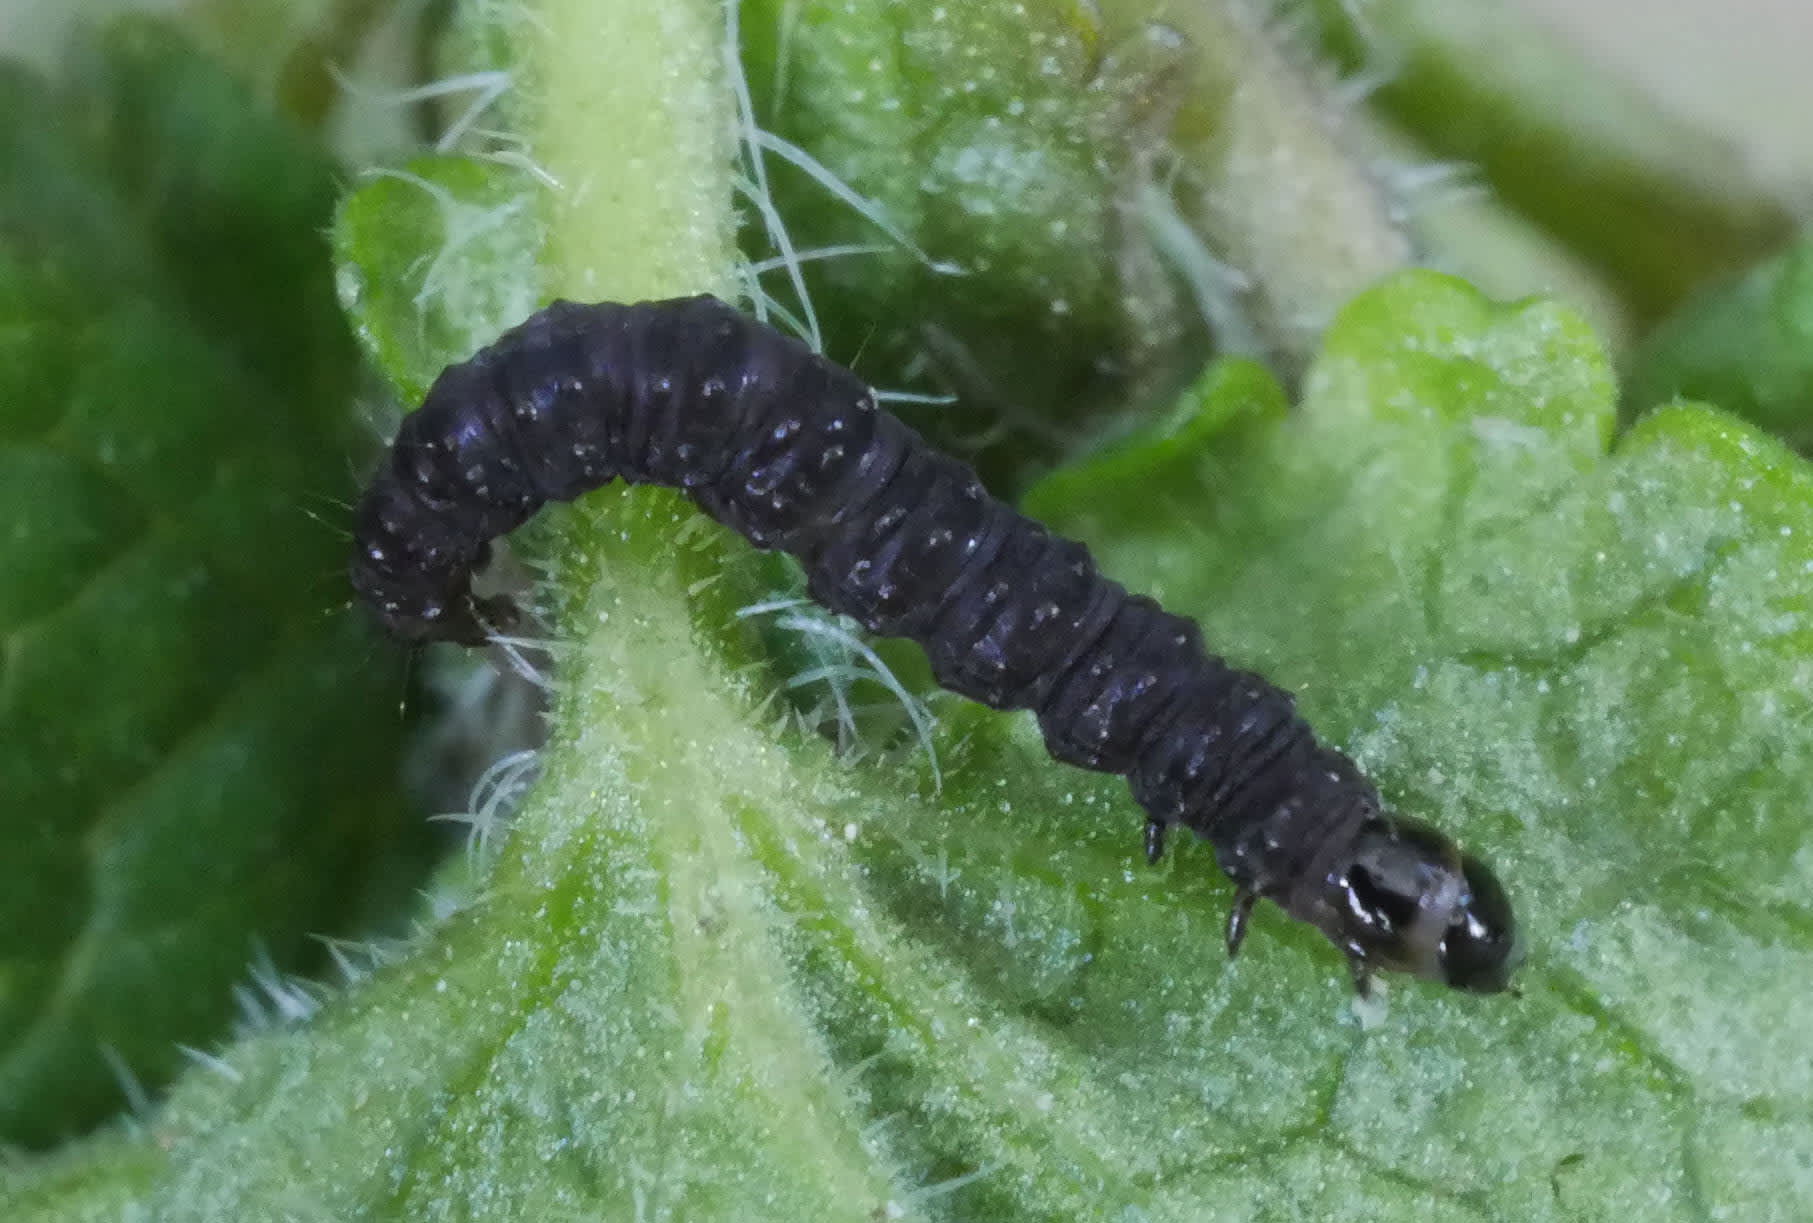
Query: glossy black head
point(1406, 899)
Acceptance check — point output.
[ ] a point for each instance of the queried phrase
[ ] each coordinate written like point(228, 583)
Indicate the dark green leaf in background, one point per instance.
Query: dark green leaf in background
point(181, 793)
point(1745, 344)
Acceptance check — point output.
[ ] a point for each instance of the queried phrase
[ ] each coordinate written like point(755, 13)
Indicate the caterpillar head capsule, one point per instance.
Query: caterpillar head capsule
point(1406, 899)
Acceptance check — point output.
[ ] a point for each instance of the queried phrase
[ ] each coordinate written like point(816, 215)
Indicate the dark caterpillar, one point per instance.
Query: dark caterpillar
point(791, 451)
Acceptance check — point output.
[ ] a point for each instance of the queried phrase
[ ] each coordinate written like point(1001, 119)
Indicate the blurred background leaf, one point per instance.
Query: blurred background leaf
point(1745, 343)
point(183, 798)
point(1658, 203)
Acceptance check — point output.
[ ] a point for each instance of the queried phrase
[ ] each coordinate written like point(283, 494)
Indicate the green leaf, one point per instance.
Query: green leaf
point(437, 257)
point(719, 974)
point(1066, 199)
point(182, 794)
point(1588, 664)
point(233, 194)
point(994, 151)
point(1745, 344)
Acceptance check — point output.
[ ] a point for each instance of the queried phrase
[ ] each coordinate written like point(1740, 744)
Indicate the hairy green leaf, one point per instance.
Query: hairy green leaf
point(1054, 209)
point(995, 245)
point(469, 272)
point(719, 972)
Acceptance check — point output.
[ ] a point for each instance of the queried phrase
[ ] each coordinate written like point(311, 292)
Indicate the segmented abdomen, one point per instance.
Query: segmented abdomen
point(792, 451)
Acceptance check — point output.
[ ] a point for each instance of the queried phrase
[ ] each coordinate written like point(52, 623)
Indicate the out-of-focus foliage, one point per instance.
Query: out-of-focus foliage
point(1656, 203)
point(181, 794)
point(1745, 343)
